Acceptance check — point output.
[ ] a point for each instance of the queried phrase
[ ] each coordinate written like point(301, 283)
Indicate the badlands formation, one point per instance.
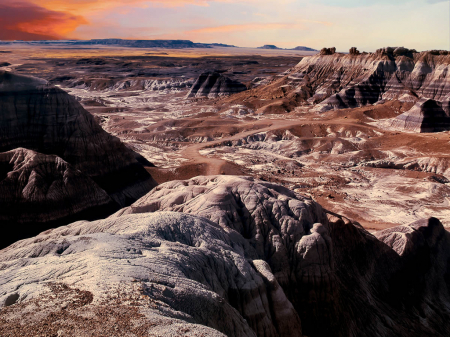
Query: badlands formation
point(57, 163)
point(256, 156)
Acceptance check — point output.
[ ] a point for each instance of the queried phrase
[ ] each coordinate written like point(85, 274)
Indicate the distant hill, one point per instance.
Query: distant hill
point(269, 46)
point(301, 48)
point(273, 47)
point(221, 45)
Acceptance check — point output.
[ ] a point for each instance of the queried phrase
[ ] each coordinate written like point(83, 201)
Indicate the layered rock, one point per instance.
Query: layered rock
point(214, 84)
point(426, 115)
point(45, 119)
point(255, 260)
point(333, 80)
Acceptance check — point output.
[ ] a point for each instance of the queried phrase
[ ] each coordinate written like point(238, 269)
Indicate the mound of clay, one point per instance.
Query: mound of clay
point(214, 84)
point(252, 259)
point(426, 115)
point(37, 188)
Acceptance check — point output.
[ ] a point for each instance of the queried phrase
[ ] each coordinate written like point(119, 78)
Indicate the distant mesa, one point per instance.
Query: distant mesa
point(221, 45)
point(299, 48)
point(167, 44)
point(302, 48)
point(214, 84)
point(269, 46)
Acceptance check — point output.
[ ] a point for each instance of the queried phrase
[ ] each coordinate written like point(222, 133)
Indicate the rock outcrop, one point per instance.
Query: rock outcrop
point(328, 51)
point(45, 119)
point(177, 274)
point(427, 115)
point(251, 259)
point(354, 51)
point(214, 84)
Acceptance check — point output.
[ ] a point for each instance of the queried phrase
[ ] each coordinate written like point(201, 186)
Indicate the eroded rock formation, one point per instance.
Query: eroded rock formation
point(37, 188)
point(328, 51)
point(45, 119)
point(321, 261)
point(426, 115)
point(333, 80)
point(251, 259)
point(214, 84)
point(354, 51)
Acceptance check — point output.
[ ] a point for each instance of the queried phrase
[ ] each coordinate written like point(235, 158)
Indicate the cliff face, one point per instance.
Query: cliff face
point(74, 157)
point(251, 259)
point(214, 85)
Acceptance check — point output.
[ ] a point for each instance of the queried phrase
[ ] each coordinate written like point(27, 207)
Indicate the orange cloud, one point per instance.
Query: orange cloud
point(26, 21)
point(85, 7)
point(253, 26)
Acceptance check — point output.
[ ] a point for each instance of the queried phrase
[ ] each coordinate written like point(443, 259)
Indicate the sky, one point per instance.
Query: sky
point(365, 24)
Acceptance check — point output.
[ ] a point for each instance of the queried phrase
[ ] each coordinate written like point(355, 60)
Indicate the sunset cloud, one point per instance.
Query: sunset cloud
point(254, 26)
point(27, 21)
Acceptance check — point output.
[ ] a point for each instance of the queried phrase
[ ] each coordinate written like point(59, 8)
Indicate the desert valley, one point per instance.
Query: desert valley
point(185, 189)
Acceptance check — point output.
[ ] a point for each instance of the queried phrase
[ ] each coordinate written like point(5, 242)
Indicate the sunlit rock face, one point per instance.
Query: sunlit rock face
point(38, 117)
point(213, 84)
point(179, 274)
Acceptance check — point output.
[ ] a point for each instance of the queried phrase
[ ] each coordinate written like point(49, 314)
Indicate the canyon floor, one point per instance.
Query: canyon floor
point(344, 159)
